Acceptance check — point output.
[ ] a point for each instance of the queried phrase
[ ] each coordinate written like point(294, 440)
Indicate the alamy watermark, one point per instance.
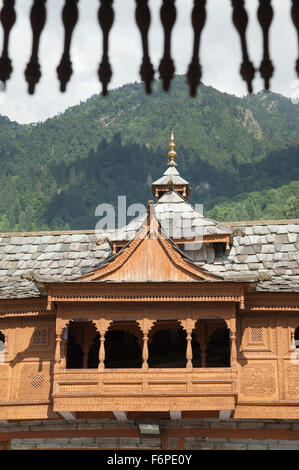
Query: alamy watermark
point(175, 224)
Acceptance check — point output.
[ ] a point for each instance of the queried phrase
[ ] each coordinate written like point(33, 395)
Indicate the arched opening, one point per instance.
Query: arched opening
point(93, 353)
point(80, 338)
point(167, 346)
point(218, 347)
point(122, 349)
point(296, 337)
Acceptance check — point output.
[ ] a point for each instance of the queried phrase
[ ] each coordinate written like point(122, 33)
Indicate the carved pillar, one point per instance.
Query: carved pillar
point(188, 325)
point(233, 347)
point(57, 352)
point(145, 326)
point(102, 326)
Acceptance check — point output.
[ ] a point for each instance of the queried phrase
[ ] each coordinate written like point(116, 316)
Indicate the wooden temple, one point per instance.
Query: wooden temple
point(175, 321)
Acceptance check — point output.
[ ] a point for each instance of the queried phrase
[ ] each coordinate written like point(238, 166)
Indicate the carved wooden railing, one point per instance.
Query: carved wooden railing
point(210, 388)
point(143, 20)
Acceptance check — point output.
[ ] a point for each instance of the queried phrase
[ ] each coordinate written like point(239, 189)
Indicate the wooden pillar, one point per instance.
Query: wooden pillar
point(188, 325)
point(102, 326)
point(145, 326)
point(57, 352)
point(233, 347)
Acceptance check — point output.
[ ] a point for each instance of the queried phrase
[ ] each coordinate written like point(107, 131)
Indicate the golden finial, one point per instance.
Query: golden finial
point(172, 153)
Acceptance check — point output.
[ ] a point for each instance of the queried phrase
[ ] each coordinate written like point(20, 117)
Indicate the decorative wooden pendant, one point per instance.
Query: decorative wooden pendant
point(198, 22)
point(106, 18)
point(240, 20)
point(8, 19)
point(166, 67)
point(143, 20)
point(295, 18)
point(38, 20)
point(265, 16)
point(69, 18)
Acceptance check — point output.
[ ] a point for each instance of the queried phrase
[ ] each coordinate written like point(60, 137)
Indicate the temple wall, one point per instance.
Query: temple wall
point(266, 370)
point(214, 434)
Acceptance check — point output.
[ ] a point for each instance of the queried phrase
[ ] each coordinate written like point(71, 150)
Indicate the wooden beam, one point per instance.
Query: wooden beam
point(224, 415)
point(67, 415)
point(175, 414)
point(120, 415)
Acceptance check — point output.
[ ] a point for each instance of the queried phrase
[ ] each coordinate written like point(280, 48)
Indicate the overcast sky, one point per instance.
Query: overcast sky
point(220, 53)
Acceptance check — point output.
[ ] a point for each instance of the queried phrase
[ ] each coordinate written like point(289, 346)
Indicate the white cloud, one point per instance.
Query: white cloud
point(220, 53)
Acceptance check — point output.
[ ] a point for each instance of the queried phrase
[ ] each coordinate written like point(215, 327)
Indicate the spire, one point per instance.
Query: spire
point(171, 179)
point(172, 153)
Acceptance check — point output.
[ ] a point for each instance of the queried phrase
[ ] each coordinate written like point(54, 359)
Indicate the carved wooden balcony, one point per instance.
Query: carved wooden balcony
point(145, 389)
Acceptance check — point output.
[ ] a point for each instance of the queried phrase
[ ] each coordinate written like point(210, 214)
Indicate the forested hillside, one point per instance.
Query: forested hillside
point(240, 156)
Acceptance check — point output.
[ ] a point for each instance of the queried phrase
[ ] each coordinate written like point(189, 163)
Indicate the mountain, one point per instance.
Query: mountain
point(240, 156)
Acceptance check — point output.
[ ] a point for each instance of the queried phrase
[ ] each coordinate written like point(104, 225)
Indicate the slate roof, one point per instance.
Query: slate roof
point(171, 175)
point(267, 251)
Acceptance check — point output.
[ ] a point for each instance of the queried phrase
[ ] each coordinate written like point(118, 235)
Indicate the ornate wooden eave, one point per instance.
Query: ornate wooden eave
point(35, 306)
point(194, 291)
point(272, 301)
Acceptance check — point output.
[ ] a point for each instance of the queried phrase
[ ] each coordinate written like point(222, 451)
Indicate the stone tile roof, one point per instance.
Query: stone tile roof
point(171, 175)
point(175, 215)
point(268, 251)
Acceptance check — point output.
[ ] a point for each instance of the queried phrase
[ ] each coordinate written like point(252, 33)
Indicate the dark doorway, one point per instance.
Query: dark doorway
point(74, 353)
point(2, 342)
point(122, 350)
point(168, 348)
point(218, 348)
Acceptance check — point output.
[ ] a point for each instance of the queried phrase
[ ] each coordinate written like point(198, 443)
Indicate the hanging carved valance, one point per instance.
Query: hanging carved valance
point(166, 67)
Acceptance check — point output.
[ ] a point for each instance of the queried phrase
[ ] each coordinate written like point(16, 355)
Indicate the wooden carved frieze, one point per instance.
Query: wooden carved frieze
point(197, 291)
point(258, 380)
point(281, 301)
point(292, 378)
point(33, 306)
